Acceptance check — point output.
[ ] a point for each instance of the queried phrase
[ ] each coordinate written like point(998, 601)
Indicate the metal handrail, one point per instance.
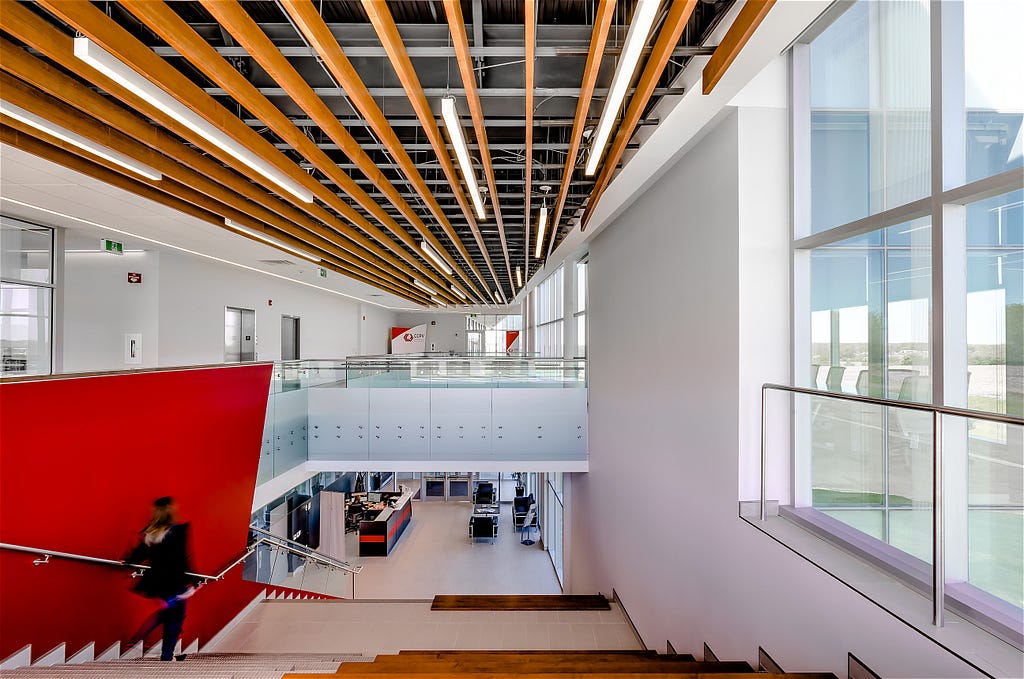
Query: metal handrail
point(938, 513)
point(302, 550)
point(47, 553)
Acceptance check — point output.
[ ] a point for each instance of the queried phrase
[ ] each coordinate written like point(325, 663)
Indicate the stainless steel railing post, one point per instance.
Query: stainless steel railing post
point(938, 529)
point(764, 457)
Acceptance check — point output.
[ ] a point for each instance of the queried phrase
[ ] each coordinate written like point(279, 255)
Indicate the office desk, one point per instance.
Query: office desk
point(378, 536)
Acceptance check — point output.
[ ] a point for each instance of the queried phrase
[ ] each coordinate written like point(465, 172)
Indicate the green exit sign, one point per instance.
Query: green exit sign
point(323, 272)
point(111, 246)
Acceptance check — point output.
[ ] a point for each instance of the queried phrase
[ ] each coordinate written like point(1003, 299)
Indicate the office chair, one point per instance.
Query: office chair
point(483, 527)
point(520, 508)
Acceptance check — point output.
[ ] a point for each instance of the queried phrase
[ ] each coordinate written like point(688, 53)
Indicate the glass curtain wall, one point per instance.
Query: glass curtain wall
point(26, 298)
point(546, 316)
point(872, 266)
point(581, 309)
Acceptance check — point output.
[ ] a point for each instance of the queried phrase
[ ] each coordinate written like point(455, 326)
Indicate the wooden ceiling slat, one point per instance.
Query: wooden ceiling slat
point(457, 26)
point(387, 31)
point(209, 176)
point(749, 18)
point(92, 22)
point(66, 156)
point(237, 22)
point(315, 31)
point(602, 21)
point(530, 37)
point(675, 22)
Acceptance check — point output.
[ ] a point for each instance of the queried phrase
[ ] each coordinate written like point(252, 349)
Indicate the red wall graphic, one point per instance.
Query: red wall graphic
point(81, 461)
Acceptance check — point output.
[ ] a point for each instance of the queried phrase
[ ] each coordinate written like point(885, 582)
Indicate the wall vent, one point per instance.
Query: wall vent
point(277, 262)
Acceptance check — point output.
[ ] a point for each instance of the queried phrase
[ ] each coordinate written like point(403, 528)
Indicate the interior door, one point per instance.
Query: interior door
point(239, 335)
point(289, 338)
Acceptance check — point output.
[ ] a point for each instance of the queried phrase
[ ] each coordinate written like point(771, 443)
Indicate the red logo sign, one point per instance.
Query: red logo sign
point(407, 337)
point(134, 277)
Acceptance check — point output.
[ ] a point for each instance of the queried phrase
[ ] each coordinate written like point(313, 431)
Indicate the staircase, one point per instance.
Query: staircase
point(549, 665)
point(202, 666)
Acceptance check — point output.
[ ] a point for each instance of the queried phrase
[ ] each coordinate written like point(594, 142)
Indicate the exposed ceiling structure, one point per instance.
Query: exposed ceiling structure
point(320, 124)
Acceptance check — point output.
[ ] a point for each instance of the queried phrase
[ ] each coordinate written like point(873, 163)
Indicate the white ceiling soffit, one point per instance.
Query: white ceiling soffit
point(685, 119)
point(28, 179)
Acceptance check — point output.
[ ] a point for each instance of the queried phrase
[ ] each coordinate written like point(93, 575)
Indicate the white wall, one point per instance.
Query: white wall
point(448, 332)
point(100, 306)
point(179, 309)
point(685, 320)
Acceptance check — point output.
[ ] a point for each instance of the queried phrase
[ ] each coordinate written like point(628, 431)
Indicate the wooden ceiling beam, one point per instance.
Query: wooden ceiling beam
point(387, 31)
point(460, 40)
point(92, 22)
point(530, 39)
point(309, 22)
point(671, 30)
point(67, 156)
point(166, 23)
point(602, 22)
point(749, 18)
point(208, 176)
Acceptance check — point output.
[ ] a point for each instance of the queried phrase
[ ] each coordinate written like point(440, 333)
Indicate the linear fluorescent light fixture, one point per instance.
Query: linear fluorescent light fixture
point(112, 67)
point(458, 292)
point(270, 240)
point(438, 302)
point(519, 277)
point(432, 253)
point(540, 232)
point(454, 125)
point(636, 39)
point(64, 134)
point(424, 287)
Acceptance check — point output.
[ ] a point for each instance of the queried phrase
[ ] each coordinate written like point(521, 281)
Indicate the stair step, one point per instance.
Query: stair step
point(532, 652)
point(416, 666)
point(520, 674)
point(520, 602)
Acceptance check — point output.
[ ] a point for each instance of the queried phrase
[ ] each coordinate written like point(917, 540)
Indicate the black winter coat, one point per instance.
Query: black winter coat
point(169, 564)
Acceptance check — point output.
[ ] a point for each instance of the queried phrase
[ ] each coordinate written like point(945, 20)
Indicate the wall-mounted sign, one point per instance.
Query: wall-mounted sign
point(113, 246)
point(323, 272)
point(134, 277)
point(409, 340)
point(511, 342)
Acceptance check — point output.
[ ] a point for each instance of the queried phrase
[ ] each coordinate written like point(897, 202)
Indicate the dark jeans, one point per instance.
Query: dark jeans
point(172, 618)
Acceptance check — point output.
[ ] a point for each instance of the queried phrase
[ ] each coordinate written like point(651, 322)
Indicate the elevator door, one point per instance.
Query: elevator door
point(289, 338)
point(239, 335)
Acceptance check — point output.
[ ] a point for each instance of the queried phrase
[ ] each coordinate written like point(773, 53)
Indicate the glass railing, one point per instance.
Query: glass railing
point(347, 409)
point(278, 561)
point(932, 495)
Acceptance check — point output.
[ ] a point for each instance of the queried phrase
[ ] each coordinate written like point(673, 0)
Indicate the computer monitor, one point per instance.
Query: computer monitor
point(373, 497)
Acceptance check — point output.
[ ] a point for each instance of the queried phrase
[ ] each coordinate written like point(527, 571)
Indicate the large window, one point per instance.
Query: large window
point(581, 309)
point(26, 298)
point(546, 311)
point(911, 294)
point(494, 334)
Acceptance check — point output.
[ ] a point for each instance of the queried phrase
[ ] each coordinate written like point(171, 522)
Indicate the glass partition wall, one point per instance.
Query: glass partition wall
point(26, 298)
point(909, 281)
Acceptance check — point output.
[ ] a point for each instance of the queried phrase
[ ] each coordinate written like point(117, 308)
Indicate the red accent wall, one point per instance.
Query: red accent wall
point(81, 461)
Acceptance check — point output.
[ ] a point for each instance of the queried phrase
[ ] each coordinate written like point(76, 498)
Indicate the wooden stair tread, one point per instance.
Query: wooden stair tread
point(519, 674)
point(520, 602)
point(415, 666)
point(530, 652)
point(544, 656)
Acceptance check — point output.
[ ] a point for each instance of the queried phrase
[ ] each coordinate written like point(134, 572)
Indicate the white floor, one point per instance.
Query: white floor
point(436, 556)
point(371, 628)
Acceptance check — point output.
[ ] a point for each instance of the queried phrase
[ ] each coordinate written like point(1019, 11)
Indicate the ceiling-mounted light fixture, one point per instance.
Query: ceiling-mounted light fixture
point(454, 126)
point(430, 252)
point(438, 302)
point(112, 67)
point(636, 38)
point(424, 286)
point(540, 232)
point(75, 139)
point(458, 292)
point(519, 277)
point(232, 224)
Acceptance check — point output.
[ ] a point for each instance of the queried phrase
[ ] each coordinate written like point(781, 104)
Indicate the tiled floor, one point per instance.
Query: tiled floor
point(373, 627)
